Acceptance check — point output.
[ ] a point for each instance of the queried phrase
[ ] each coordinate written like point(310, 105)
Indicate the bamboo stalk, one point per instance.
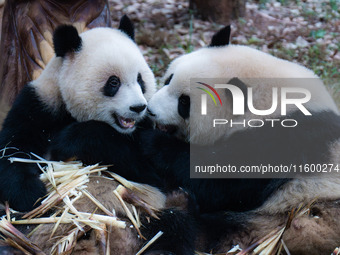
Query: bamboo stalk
point(268, 246)
point(97, 203)
point(128, 213)
point(112, 221)
point(59, 221)
point(101, 238)
point(65, 183)
point(158, 235)
point(17, 239)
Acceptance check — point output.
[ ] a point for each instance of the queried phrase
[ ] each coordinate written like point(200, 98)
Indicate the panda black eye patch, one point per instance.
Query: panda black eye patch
point(141, 82)
point(167, 81)
point(112, 86)
point(184, 106)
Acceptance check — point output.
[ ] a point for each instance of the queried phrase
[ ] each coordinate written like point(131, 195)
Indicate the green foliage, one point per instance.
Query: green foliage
point(334, 4)
point(242, 21)
point(190, 47)
point(316, 34)
point(255, 40)
point(262, 4)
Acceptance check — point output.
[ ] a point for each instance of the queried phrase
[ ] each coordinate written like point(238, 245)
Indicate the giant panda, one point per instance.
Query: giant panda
point(89, 104)
point(86, 105)
point(316, 139)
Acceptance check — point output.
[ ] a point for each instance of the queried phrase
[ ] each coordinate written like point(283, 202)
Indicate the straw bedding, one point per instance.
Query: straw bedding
point(84, 213)
point(89, 210)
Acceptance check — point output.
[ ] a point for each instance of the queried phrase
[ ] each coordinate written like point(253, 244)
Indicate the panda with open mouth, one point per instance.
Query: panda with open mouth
point(86, 105)
point(89, 104)
point(316, 139)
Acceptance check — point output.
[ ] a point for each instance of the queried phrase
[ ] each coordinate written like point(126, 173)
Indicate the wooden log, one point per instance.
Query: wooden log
point(220, 11)
point(26, 38)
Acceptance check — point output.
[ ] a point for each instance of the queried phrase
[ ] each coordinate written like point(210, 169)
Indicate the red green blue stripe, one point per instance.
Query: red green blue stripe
point(213, 90)
point(208, 92)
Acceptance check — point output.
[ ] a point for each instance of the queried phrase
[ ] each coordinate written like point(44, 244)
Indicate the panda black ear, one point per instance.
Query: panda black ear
point(221, 38)
point(127, 27)
point(65, 40)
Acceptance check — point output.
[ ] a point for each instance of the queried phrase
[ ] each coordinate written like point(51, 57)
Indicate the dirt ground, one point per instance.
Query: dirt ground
point(307, 32)
point(304, 31)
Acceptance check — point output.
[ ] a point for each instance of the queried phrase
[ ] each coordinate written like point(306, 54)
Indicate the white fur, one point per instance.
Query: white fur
point(78, 79)
point(246, 63)
point(228, 62)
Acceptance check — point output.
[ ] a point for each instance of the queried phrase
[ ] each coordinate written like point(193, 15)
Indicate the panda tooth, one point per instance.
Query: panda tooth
point(127, 123)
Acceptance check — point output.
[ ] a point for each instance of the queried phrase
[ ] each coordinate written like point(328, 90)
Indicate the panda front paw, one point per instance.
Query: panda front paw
point(21, 191)
point(81, 141)
point(64, 146)
point(182, 199)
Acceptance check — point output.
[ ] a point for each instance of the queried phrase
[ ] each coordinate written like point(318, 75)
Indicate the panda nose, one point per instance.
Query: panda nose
point(138, 108)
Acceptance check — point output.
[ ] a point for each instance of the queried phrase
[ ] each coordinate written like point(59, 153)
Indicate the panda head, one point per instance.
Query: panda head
point(172, 106)
point(102, 75)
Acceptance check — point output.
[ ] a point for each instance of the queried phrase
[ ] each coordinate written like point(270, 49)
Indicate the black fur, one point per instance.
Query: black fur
point(32, 127)
point(141, 82)
point(168, 155)
point(216, 228)
point(168, 80)
point(112, 86)
point(184, 106)
point(127, 27)
point(66, 40)
point(28, 127)
point(178, 228)
point(97, 142)
point(307, 143)
point(221, 38)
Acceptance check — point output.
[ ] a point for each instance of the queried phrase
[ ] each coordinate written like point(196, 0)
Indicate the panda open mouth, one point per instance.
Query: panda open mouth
point(124, 123)
point(171, 129)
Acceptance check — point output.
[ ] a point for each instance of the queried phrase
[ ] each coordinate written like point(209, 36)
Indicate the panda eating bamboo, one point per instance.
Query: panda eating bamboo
point(88, 104)
point(96, 87)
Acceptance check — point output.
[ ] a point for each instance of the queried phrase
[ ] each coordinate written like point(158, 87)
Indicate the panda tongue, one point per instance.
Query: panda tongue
point(126, 123)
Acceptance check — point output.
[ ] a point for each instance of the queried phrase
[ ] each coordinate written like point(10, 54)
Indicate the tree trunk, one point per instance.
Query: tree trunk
point(26, 38)
point(221, 11)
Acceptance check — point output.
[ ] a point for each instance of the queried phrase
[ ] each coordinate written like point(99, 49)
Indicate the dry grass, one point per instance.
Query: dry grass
point(66, 183)
point(272, 243)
